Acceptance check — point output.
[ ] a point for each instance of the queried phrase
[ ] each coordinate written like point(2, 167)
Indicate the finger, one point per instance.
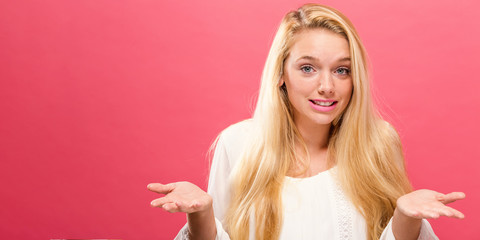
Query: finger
point(451, 197)
point(161, 188)
point(445, 212)
point(454, 212)
point(181, 206)
point(159, 202)
point(187, 207)
point(171, 207)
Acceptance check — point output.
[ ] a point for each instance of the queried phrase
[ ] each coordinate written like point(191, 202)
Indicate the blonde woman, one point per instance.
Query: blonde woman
point(316, 161)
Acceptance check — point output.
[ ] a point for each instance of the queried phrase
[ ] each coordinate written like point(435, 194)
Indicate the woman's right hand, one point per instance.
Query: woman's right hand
point(181, 197)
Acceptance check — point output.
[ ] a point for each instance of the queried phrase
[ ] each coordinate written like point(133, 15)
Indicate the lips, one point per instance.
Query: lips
point(323, 105)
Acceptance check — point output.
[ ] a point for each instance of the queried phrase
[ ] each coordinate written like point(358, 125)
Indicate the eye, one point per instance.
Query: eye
point(343, 71)
point(307, 69)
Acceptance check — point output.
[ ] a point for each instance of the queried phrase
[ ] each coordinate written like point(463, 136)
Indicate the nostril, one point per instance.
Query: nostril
point(326, 90)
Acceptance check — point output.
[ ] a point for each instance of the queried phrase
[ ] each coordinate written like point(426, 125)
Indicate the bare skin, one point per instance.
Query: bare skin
point(407, 219)
point(424, 203)
point(188, 198)
point(317, 151)
point(317, 69)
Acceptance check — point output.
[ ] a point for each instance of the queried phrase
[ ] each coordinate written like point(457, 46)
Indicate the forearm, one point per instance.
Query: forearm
point(405, 227)
point(201, 225)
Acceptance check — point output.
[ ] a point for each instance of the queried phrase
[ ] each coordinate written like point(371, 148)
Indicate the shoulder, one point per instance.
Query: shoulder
point(392, 141)
point(233, 140)
point(389, 131)
point(384, 130)
point(236, 132)
point(384, 124)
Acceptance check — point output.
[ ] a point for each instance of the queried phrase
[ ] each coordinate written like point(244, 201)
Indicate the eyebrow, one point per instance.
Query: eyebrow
point(344, 59)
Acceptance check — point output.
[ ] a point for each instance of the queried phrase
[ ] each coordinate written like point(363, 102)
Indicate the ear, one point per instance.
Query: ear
point(281, 82)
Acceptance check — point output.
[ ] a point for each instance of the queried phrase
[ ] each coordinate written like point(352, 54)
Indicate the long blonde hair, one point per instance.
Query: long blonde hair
point(366, 149)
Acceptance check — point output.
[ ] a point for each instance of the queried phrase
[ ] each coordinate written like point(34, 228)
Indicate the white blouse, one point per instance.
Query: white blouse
point(313, 207)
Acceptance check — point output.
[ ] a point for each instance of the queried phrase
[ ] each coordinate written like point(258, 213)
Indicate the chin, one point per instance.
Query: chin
point(326, 121)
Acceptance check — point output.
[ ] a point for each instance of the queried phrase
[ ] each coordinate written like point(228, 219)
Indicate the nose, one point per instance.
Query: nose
point(326, 86)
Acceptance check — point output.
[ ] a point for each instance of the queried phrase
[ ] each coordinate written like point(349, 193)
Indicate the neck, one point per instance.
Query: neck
point(315, 135)
point(316, 139)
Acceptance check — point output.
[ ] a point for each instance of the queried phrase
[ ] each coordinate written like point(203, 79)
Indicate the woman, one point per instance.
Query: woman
point(316, 161)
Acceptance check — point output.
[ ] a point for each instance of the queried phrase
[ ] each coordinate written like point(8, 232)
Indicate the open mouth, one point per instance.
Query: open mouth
point(324, 103)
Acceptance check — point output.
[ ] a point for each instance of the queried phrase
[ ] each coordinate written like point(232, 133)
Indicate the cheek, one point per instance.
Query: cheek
point(345, 88)
point(297, 93)
point(301, 88)
point(347, 92)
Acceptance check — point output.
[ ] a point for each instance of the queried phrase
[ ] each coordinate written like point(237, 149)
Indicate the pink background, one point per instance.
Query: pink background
point(99, 98)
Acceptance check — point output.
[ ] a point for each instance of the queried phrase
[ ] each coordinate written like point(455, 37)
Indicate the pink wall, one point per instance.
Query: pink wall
point(99, 98)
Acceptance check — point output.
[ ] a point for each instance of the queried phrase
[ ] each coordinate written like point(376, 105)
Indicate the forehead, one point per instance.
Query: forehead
point(319, 43)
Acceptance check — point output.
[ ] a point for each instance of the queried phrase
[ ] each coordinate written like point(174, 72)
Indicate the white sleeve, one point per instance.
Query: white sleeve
point(218, 181)
point(221, 234)
point(426, 232)
point(218, 188)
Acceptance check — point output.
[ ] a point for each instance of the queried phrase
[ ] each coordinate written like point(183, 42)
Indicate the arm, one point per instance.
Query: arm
point(408, 221)
point(187, 197)
point(203, 223)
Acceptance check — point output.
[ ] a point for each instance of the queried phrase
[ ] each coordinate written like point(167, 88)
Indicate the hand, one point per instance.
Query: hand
point(429, 204)
point(181, 197)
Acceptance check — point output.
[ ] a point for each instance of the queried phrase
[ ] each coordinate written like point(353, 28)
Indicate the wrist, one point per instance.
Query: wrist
point(400, 216)
point(201, 224)
point(404, 226)
point(203, 213)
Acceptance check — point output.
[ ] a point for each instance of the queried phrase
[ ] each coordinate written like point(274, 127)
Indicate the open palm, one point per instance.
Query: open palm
point(180, 197)
point(429, 204)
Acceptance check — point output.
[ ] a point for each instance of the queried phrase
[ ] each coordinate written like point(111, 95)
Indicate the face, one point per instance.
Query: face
point(317, 76)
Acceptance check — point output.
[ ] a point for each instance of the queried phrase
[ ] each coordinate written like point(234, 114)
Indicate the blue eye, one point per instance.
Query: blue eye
point(307, 69)
point(343, 71)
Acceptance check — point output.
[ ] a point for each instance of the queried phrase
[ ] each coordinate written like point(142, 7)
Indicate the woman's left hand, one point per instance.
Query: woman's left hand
point(426, 203)
point(414, 206)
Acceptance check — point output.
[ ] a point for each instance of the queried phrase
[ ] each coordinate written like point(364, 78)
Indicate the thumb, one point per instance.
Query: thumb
point(451, 197)
point(161, 188)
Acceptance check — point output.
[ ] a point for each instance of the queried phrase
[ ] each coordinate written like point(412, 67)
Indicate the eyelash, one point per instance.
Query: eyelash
point(306, 66)
point(347, 70)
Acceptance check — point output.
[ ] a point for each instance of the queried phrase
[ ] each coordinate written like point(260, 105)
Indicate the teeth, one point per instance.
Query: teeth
point(324, 104)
